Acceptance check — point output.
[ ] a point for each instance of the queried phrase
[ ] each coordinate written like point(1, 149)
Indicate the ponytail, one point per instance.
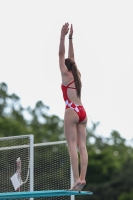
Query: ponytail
point(71, 65)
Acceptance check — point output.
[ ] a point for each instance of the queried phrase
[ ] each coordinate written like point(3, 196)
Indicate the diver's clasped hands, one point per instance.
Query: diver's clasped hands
point(65, 29)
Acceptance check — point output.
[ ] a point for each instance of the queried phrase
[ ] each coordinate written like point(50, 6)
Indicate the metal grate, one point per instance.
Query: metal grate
point(52, 168)
point(12, 148)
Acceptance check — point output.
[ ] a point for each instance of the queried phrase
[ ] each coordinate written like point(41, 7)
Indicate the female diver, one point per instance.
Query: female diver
point(75, 118)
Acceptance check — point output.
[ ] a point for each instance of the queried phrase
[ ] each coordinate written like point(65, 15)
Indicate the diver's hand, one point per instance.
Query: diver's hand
point(64, 30)
point(71, 31)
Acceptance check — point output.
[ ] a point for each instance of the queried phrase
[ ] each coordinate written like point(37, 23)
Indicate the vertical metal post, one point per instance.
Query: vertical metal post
point(72, 181)
point(31, 164)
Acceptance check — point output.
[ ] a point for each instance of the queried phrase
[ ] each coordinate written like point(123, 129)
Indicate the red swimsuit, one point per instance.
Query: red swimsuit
point(77, 108)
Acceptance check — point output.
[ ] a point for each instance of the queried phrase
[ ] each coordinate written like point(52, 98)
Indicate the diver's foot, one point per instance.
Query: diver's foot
point(75, 185)
point(81, 185)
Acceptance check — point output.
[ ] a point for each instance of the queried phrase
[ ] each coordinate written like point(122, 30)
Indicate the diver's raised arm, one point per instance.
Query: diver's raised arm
point(70, 47)
point(64, 32)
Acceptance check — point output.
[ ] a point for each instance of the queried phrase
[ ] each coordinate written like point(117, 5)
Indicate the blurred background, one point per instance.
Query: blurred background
point(30, 83)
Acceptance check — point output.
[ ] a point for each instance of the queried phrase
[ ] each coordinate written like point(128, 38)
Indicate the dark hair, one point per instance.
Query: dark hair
point(71, 66)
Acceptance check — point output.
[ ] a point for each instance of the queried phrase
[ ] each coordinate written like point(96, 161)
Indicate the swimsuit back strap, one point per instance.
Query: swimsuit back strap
point(71, 87)
point(70, 84)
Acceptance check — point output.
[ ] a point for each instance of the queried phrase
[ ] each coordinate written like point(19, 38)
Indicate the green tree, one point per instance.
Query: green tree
point(110, 168)
point(109, 173)
point(126, 196)
point(39, 123)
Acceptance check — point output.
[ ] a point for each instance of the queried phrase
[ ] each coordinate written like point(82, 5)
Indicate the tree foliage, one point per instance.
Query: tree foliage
point(109, 173)
point(13, 120)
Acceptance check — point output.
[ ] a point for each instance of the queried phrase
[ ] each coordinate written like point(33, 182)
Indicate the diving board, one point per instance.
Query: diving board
point(43, 193)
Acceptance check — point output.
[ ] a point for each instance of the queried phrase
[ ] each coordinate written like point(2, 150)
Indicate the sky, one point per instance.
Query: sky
point(103, 46)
